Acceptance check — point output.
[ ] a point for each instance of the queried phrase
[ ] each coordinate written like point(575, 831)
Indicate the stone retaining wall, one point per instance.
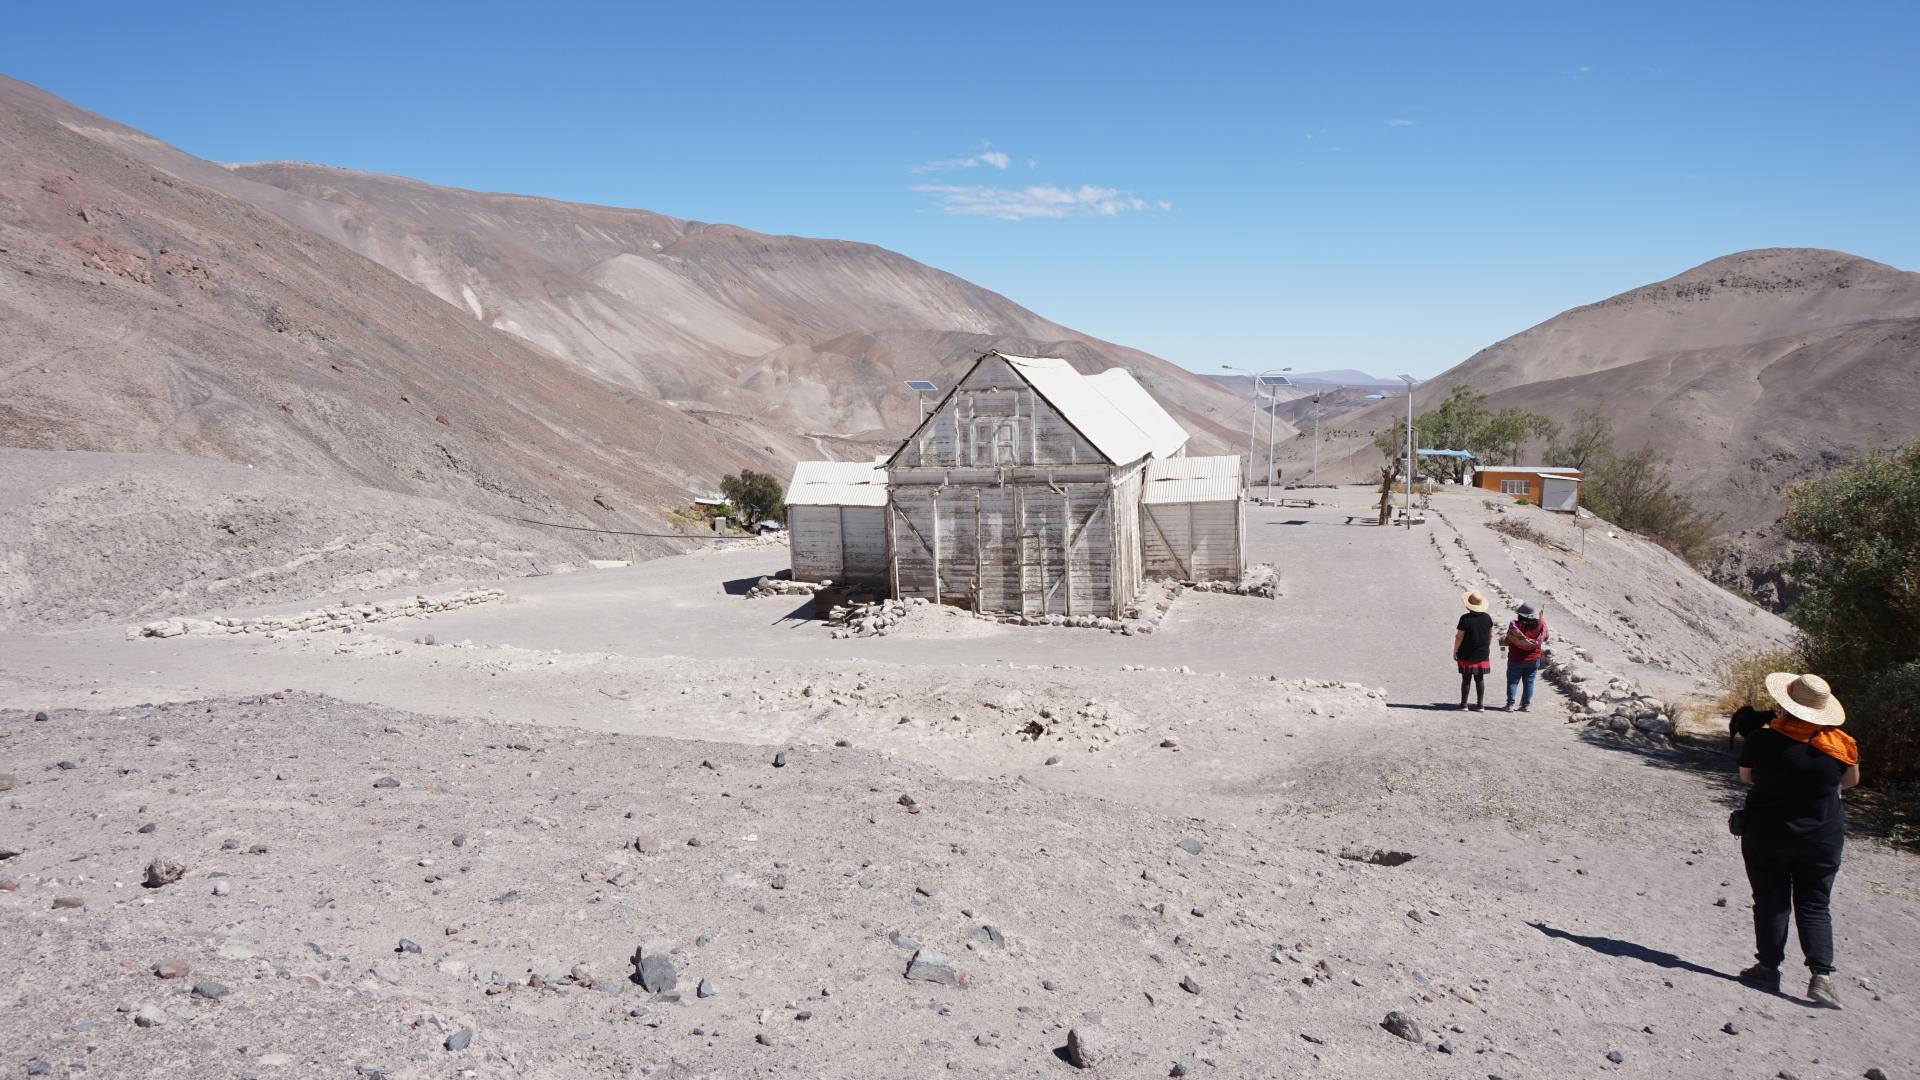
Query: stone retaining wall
point(343, 618)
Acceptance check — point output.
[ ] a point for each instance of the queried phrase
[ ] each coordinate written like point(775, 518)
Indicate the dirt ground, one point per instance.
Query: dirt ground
point(1569, 896)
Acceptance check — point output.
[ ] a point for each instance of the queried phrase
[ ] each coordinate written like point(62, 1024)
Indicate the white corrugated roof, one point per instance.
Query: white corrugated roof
point(1113, 411)
point(839, 483)
point(1537, 470)
point(1192, 479)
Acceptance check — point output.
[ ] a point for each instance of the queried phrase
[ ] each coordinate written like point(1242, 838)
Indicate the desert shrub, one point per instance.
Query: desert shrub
point(1859, 565)
point(757, 496)
point(1522, 500)
point(1635, 492)
point(1522, 529)
point(1742, 677)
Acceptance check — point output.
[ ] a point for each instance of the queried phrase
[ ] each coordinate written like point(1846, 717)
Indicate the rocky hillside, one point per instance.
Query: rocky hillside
point(1749, 372)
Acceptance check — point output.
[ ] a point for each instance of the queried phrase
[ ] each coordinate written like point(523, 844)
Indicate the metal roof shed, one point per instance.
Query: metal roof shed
point(836, 521)
point(1193, 520)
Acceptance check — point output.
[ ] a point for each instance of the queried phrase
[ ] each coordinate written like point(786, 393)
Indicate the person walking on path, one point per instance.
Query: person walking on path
point(1472, 649)
point(1525, 642)
point(1793, 827)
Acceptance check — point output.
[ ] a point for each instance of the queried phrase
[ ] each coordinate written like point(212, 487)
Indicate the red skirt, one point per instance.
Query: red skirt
point(1475, 665)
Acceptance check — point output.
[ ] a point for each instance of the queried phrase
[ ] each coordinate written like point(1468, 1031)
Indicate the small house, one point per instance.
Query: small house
point(1192, 519)
point(1548, 488)
point(836, 521)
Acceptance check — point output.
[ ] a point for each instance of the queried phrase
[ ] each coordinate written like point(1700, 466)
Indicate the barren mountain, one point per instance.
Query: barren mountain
point(807, 336)
point(501, 357)
point(1749, 372)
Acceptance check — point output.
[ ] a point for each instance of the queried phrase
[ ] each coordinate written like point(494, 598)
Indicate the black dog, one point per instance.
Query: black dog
point(1745, 720)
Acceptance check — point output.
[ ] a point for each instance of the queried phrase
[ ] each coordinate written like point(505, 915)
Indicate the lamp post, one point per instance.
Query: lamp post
point(921, 388)
point(1258, 381)
point(1407, 514)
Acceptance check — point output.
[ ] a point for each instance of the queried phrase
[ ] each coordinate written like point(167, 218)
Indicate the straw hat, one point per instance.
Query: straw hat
point(1474, 601)
point(1807, 697)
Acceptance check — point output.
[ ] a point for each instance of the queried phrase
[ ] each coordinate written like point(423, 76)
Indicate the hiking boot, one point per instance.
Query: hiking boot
point(1526, 708)
point(1476, 707)
point(1820, 989)
point(1762, 977)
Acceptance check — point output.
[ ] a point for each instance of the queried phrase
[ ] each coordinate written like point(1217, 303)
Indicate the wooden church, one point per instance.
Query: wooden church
point(1023, 492)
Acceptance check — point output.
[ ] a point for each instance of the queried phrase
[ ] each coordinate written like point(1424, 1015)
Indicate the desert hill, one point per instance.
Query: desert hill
point(808, 336)
point(1750, 371)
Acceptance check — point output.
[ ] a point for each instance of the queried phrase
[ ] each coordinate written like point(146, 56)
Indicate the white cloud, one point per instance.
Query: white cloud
point(1400, 121)
point(1037, 201)
point(988, 156)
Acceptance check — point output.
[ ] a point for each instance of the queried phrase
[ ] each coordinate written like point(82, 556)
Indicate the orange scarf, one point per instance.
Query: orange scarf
point(1832, 742)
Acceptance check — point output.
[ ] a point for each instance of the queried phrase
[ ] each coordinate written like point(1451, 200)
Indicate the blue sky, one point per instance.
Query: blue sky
point(1383, 186)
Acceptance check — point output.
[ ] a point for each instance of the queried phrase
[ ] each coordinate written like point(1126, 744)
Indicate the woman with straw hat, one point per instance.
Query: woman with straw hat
point(1472, 648)
point(1793, 827)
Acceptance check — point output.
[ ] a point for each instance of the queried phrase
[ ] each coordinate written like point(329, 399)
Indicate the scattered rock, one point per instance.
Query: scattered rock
point(1189, 845)
point(1404, 1026)
point(41, 717)
point(1730, 1028)
point(930, 966)
point(705, 989)
point(654, 970)
point(68, 902)
point(1188, 984)
point(386, 782)
point(1616, 1057)
point(172, 969)
point(164, 871)
point(407, 945)
point(459, 1040)
point(1086, 1049)
point(222, 887)
point(212, 991)
point(149, 1015)
point(780, 760)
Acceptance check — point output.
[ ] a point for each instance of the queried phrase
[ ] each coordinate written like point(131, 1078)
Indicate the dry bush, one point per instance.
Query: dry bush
point(1742, 677)
point(1522, 529)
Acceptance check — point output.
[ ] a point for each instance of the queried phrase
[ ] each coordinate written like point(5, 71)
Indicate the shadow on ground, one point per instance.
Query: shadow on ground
point(1607, 946)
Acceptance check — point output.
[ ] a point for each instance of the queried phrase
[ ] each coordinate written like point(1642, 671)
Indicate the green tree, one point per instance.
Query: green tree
point(1860, 611)
point(755, 496)
point(1588, 439)
point(1464, 422)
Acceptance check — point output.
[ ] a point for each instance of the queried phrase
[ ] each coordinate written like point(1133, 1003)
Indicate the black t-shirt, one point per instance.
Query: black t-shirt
point(1796, 791)
point(1477, 645)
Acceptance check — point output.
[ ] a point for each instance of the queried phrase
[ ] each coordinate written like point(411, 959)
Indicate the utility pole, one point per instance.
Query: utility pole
point(1406, 515)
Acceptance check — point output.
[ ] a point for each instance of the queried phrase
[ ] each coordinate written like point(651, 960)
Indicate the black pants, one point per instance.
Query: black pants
point(1794, 878)
point(1477, 680)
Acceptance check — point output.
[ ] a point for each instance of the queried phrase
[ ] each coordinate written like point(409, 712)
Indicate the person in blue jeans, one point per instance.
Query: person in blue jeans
point(1526, 642)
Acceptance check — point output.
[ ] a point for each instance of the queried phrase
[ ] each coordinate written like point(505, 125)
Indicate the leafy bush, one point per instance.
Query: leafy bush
point(1635, 492)
point(1522, 500)
point(1860, 611)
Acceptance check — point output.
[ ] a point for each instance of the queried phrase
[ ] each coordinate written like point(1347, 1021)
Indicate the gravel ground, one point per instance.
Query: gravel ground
point(1569, 896)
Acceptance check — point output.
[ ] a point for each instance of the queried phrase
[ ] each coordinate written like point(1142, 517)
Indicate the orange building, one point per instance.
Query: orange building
point(1549, 489)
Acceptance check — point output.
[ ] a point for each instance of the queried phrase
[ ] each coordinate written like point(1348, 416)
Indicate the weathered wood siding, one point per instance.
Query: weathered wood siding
point(1023, 548)
point(1127, 554)
point(993, 418)
point(1193, 541)
point(846, 544)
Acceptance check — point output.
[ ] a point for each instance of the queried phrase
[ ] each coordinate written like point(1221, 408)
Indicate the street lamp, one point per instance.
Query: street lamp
point(1407, 514)
point(1259, 380)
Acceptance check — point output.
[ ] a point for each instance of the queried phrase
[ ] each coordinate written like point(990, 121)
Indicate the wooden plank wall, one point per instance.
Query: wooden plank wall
point(838, 543)
point(1193, 541)
point(1005, 548)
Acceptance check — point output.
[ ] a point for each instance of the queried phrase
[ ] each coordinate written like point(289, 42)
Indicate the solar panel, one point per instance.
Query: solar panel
point(921, 386)
point(1275, 380)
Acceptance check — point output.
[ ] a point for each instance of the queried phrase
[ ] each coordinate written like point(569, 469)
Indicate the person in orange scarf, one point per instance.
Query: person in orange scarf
point(1793, 827)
